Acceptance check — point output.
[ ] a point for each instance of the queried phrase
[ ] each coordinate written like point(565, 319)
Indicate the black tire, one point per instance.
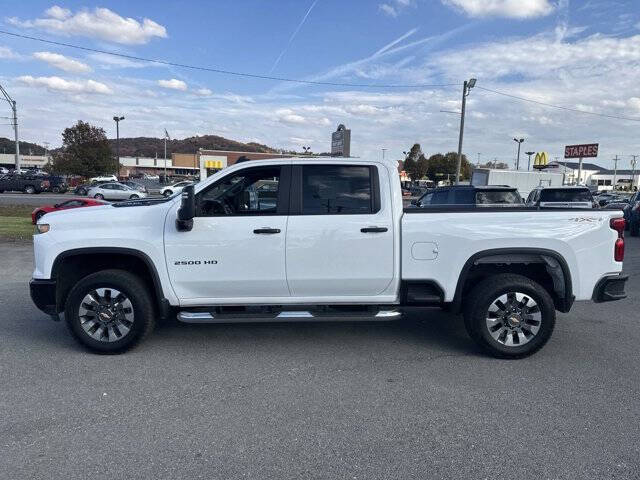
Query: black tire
point(135, 290)
point(167, 193)
point(39, 215)
point(30, 189)
point(55, 189)
point(134, 197)
point(82, 191)
point(634, 228)
point(99, 196)
point(477, 304)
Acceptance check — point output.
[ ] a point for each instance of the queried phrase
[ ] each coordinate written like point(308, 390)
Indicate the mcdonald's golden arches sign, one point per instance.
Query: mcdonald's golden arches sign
point(541, 160)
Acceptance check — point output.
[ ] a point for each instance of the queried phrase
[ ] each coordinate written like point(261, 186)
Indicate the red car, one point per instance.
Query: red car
point(67, 204)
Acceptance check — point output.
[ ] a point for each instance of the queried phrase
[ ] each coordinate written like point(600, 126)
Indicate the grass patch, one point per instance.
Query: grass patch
point(15, 223)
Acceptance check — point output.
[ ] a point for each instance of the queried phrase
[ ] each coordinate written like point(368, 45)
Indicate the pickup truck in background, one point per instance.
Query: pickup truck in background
point(27, 183)
point(328, 240)
point(561, 197)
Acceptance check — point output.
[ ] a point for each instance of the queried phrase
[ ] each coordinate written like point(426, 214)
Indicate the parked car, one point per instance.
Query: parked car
point(4, 171)
point(136, 186)
point(39, 212)
point(84, 188)
point(57, 184)
point(333, 244)
point(17, 182)
point(561, 197)
point(471, 196)
point(632, 215)
point(609, 197)
point(171, 189)
point(105, 178)
point(114, 191)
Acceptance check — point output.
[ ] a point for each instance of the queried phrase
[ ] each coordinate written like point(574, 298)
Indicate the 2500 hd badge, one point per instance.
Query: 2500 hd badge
point(195, 262)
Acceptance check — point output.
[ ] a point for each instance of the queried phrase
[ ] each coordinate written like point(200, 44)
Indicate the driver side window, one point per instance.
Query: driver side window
point(252, 191)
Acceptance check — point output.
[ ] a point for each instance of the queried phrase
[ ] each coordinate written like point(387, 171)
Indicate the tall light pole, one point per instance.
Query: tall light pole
point(615, 172)
point(529, 162)
point(633, 171)
point(519, 142)
point(383, 151)
point(12, 102)
point(117, 120)
point(466, 87)
point(166, 137)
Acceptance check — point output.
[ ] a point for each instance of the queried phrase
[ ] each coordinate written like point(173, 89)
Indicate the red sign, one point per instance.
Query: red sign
point(581, 151)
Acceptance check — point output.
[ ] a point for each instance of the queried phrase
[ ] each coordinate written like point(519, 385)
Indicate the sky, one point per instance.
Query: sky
point(403, 62)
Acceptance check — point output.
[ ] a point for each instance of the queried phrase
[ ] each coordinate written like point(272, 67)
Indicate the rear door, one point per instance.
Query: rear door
point(340, 231)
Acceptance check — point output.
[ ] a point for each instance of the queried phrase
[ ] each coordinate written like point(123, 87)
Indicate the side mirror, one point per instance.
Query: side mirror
point(187, 210)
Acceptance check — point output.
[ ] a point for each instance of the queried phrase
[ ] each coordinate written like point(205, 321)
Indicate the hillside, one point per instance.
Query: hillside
point(149, 146)
point(8, 146)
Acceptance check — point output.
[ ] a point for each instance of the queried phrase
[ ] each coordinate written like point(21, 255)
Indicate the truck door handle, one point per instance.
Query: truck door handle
point(268, 231)
point(373, 229)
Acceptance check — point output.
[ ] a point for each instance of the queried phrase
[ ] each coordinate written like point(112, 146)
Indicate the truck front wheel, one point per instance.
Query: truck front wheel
point(509, 316)
point(109, 311)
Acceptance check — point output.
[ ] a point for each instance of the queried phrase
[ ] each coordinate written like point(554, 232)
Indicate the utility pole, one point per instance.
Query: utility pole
point(478, 164)
point(383, 150)
point(615, 172)
point(12, 102)
point(466, 87)
point(117, 120)
point(166, 136)
point(633, 171)
point(529, 162)
point(519, 142)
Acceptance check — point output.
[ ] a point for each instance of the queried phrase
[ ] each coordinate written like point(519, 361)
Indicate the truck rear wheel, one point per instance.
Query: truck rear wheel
point(109, 311)
point(509, 316)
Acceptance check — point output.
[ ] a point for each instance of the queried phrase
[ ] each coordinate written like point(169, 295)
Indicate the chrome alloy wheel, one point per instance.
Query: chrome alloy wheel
point(513, 319)
point(106, 314)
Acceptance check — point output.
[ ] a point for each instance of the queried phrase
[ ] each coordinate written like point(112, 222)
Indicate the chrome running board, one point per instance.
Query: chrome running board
point(288, 316)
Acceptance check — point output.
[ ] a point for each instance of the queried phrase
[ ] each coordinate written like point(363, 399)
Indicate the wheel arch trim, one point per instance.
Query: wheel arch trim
point(556, 266)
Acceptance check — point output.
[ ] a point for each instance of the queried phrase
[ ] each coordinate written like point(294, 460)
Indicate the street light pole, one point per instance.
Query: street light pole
point(117, 120)
point(633, 171)
point(519, 142)
point(383, 150)
point(529, 162)
point(14, 110)
point(466, 87)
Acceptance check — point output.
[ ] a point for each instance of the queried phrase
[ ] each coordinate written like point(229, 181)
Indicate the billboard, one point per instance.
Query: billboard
point(341, 142)
point(587, 150)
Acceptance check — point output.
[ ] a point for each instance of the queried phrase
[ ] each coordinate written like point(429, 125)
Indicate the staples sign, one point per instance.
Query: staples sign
point(581, 151)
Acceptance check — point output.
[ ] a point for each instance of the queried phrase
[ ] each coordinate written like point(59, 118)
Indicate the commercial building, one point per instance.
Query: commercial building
point(595, 176)
point(8, 160)
point(202, 163)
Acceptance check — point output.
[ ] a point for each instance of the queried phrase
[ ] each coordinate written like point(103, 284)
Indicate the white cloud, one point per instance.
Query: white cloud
point(173, 84)
point(286, 115)
point(69, 86)
point(388, 9)
point(503, 8)
point(63, 63)
point(6, 52)
point(100, 23)
point(204, 92)
point(634, 103)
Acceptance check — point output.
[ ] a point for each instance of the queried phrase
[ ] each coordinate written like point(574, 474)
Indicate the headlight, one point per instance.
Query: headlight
point(42, 228)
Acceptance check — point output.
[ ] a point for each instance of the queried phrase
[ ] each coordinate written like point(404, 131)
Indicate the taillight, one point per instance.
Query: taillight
point(617, 224)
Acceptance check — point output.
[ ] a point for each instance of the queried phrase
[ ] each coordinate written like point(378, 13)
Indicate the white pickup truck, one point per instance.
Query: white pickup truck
point(320, 239)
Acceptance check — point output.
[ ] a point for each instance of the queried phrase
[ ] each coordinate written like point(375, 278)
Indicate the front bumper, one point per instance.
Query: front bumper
point(43, 294)
point(610, 288)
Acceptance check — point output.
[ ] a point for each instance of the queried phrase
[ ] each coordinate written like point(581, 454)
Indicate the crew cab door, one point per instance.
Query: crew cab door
point(236, 249)
point(340, 235)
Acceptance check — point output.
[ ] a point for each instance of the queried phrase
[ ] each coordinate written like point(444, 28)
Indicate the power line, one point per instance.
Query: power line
point(560, 107)
point(222, 71)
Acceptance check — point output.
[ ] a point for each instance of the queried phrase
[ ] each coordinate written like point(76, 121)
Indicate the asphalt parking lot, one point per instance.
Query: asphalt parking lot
point(411, 399)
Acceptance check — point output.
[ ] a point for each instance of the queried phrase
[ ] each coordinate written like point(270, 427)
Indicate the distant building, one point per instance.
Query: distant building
point(595, 176)
point(8, 160)
point(341, 142)
point(203, 162)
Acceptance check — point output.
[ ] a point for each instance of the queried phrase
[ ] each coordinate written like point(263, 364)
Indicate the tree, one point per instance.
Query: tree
point(411, 163)
point(498, 165)
point(85, 152)
point(442, 167)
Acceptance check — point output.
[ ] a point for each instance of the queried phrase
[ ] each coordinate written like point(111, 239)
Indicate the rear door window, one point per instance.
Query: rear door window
point(337, 189)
